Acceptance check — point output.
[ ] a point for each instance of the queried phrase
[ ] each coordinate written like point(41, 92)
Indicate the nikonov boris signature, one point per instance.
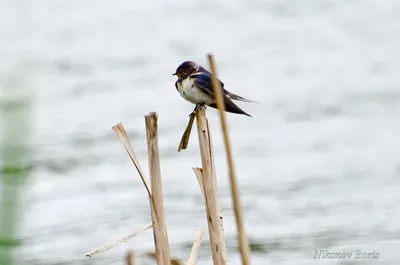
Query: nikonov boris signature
point(194, 84)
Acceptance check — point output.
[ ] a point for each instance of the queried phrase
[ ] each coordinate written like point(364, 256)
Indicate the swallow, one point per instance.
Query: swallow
point(195, 85)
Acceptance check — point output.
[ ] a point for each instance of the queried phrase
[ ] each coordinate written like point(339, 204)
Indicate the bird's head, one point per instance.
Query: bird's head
point(186, 68)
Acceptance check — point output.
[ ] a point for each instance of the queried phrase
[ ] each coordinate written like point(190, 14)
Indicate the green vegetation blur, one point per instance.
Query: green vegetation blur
point(15, 157)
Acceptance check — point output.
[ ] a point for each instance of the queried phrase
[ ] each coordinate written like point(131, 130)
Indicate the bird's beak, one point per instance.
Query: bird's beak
point(175, 74)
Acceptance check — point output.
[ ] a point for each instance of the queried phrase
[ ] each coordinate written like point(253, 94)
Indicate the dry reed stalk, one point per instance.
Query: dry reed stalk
point(157, 214)
point(120, 130)
point(196, 246)
point(130, 258)
point(186, 135)
point(173, 261)
point(118, 242)
point(217, 240)
point(123, 136)
point(243, 241)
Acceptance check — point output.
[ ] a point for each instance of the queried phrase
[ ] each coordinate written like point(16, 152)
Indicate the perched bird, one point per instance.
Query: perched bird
point(195, 85)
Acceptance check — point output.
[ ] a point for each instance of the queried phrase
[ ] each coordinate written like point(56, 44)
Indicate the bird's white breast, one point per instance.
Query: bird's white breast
point(189, 91)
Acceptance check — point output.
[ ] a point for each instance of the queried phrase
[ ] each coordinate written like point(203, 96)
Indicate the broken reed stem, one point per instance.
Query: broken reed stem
point(199, 176)
point(173, 261)
point(213, 207)
point(243, 241)
point(120, 131)
point(130, 258)
point(123, 137)
point(118, 242)
point(157, 213)
point(186, 135)
point(196, 246)
point(176, 262)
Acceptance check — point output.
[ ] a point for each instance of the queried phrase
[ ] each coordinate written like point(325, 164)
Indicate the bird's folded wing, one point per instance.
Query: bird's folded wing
point(204, 82)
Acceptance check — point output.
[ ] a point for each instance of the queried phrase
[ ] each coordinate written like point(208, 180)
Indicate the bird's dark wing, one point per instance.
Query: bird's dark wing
point(203, 81)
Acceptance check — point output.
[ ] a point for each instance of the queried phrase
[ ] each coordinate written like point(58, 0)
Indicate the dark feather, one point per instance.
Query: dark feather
point(231, 107)
point(239, 98)
point(204, 82)
point(176, 85)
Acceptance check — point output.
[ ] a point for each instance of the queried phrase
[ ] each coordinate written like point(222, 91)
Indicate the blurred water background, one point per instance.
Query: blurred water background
point(318, 165)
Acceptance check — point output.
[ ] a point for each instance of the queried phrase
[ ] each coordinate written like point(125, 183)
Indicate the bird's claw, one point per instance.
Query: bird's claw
point(195, 109)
